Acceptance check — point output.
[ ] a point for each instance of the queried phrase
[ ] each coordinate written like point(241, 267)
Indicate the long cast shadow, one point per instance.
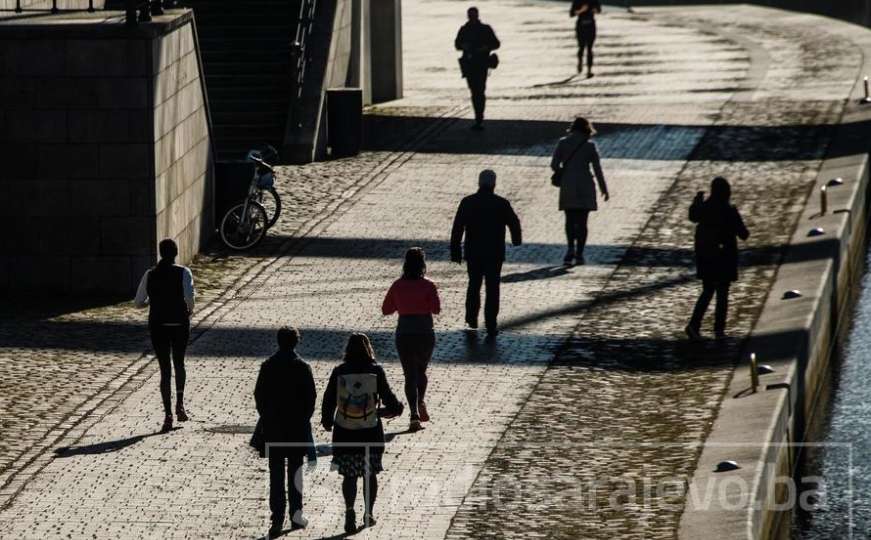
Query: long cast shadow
point(102, 448)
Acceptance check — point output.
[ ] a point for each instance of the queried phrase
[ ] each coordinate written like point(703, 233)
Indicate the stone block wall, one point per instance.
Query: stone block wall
point(104, 141)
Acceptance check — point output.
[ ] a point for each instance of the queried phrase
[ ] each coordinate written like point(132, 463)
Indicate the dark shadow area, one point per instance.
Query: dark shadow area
point(104, 447)
point(634, 141)
point(35, 308)
point(537, 274)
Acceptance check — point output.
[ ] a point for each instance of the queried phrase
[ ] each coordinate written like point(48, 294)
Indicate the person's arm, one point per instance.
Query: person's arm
point(597, 6)
point(187, 282)
point(600, 176)
point(387, 396)
point(513, 223)
point(310, 393)
point(740, 228)
point(328, 406)
point(573, 10)
point(457, 233)
point(260, 392)
point(459, 41)
point(556, 161)
point(435, 304)
point(494, 41)
point(388, 306)
point(696, 207)
point(141, 298)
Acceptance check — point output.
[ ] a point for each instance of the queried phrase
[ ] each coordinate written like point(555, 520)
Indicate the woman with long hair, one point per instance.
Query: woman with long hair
point(351, 411)
point(572, 159)
point(416, 299)
point(718, 225)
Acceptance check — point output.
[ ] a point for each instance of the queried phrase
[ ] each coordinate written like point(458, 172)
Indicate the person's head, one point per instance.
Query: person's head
point(414, 266)
point(288, 338)
point(472, 13)
point(720, 189)
point(168, 249)
point(487, 180)
point(359, 349)
point(583, 126)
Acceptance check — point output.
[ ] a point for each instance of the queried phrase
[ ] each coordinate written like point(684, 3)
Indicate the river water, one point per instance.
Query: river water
point(842, 461)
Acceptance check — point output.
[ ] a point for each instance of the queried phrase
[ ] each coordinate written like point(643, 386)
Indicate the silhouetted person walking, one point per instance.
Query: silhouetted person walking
point(585, 29)
point(574, 155)
point(483, 217)
point(477, 40)
point(350, 411)
point(285, 398)
point(718, 225)
point(416, 299)
point(168, 291)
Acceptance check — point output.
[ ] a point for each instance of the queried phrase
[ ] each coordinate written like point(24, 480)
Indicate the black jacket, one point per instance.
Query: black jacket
point(483, 218)
point(718, 226)
point(285, 397)
point(477, 40)
point(589, 16)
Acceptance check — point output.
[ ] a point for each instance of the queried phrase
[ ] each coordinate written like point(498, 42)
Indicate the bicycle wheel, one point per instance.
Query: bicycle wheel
point(241, 234)
point(272, 204)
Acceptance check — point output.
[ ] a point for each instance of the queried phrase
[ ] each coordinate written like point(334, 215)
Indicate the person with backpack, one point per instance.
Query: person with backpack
point(416, 299)
point(351, 411)
point(718, 225)
point(168, 291)
point(572, 159)
point(285, 399)
point(477, 41)
point(585, 30)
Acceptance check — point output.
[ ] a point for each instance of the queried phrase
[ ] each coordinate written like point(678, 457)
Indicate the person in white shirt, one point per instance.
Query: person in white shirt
point(168, 291)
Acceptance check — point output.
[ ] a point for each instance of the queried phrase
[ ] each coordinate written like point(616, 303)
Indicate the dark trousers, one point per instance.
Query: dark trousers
point(479, 271)
point(476, 78)
point(576, 230)
point(415, 352)
point(285, 478)
point(170, 342)
point(586, 34)
point(709, 288)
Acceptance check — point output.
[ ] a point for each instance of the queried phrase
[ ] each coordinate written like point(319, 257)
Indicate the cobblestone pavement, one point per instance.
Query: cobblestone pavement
point(675, 96)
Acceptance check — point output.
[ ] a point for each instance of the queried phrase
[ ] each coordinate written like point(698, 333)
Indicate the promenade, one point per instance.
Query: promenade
point(590, 383)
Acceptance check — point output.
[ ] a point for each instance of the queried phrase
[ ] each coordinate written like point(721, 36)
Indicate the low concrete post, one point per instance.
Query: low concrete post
point(824, 201)
point(754, 372)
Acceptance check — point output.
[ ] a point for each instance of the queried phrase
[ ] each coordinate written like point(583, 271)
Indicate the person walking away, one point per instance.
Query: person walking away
point(416, 299)
point(585, 30)
point(285, 398)
point(350, 411)
point(572, 159)
point(718, 225)
point(168, 291)
point(477, 41)
point(482, 218)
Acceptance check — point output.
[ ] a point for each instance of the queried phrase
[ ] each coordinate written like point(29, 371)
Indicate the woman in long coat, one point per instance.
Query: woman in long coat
point(718, 225)
point(350, 411)
point(575, 154)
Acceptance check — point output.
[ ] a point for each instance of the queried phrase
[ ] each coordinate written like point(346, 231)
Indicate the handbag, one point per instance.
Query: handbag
point(493, 61)
point(557, 177)
point(258, 439)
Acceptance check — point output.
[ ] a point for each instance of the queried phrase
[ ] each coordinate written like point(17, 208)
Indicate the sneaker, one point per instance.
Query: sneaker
point(473, 323)
point(350, 521)
point(414, 425)
point(167, 424)
point(298, 521)
point(180, 413)
point(492, 333)
point(567, 260)
point(424, 414)
point(590, 75)
point(370, 521)
point(276, 529)
point(693, 334)
point(580, 260)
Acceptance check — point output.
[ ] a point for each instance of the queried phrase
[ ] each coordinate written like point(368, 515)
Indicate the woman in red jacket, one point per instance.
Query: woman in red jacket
point(416, 299)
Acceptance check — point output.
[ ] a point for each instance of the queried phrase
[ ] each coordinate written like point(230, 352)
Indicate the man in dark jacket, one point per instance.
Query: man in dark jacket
point(477, 40)
point(719, 224)
point(168, 291)
point(285, 397)
point(483, 218)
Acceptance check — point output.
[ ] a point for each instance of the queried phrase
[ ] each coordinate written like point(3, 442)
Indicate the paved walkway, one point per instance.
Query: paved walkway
point(515, 439)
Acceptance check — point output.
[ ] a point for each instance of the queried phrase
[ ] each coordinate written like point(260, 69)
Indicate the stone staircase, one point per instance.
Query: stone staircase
point(245, 48)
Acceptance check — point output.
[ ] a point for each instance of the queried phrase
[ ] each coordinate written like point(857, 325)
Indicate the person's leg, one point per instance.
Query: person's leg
point(180, 337)
point(493, 275)
point(722, 308)
point(349, 492)
point(277, 496)
point(702, 303)
point(295, 488)
point(570, 235)
point(405, 347)
point(160, 341)
point(591, 39)
point(427, 346)
point(581, 219)
point(579, 34)
point(473, 292)
point(370, 487)
point(477, 80)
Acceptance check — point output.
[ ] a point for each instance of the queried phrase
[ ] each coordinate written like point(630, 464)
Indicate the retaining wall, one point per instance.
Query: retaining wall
point(763, 431)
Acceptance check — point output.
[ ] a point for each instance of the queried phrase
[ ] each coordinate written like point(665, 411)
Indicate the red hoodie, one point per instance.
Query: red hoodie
point(412, 297)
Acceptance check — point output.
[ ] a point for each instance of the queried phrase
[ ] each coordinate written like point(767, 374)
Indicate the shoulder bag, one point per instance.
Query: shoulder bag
point(557, 176)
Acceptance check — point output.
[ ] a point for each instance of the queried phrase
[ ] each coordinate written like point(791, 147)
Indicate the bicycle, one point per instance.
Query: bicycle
point(245, 224)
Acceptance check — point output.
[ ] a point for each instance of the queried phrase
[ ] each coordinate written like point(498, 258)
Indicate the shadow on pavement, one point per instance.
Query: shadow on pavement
point(104, 447)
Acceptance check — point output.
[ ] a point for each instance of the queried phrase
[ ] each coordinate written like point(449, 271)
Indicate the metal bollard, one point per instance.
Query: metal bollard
point(867, 98)
point(18, 6)
point(824, 200)
point(754, 374)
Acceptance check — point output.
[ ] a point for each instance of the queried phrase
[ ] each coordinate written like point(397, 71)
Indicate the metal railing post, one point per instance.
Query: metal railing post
point(18, 6)
point(145, 11)
point(156, 7)
point(90, 6)
point(130, 13)
point(54, 9)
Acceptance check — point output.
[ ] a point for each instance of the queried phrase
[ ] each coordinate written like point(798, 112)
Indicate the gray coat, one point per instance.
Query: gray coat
point(578, 191)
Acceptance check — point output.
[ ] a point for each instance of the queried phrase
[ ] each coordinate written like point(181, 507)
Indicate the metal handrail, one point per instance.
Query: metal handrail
point(299, 57)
